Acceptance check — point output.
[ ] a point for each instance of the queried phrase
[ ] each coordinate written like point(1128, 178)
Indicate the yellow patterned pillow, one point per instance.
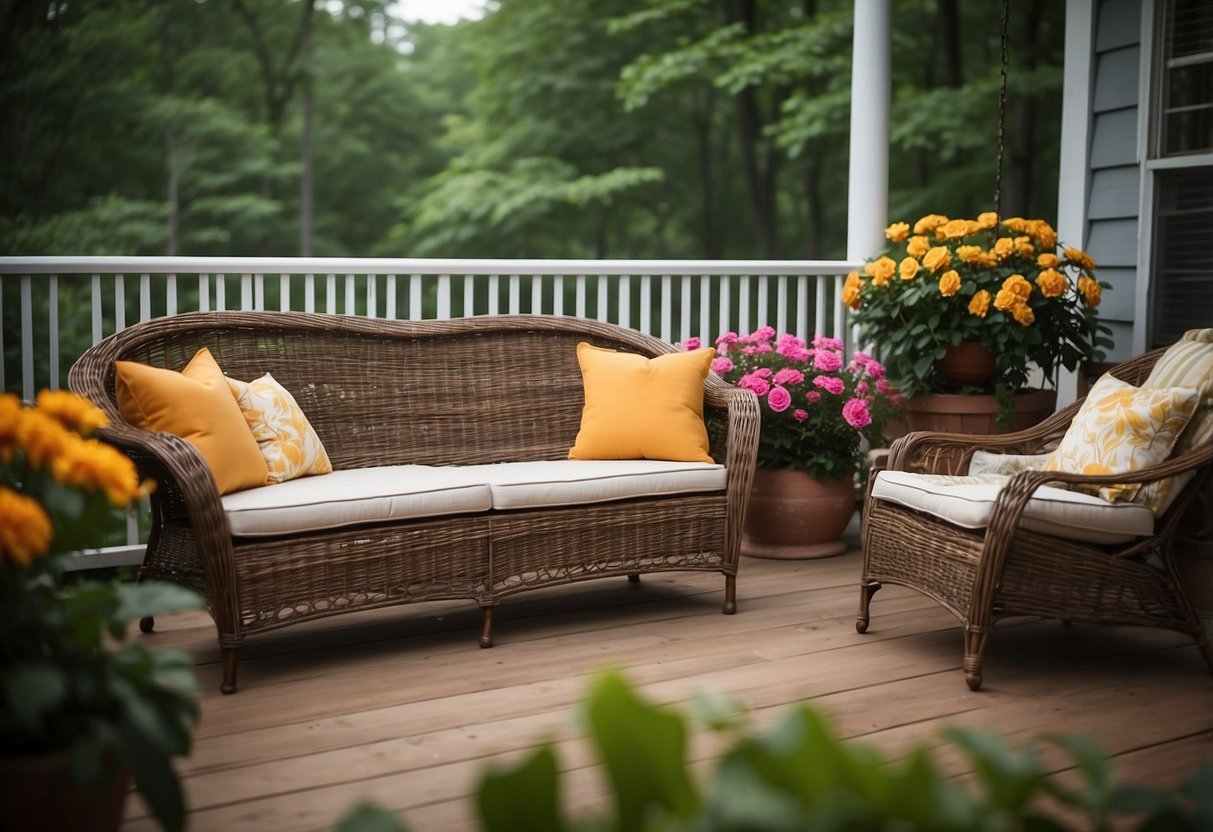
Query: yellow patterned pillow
point(287, 440)
point(1187, 362)
point(1121, 428)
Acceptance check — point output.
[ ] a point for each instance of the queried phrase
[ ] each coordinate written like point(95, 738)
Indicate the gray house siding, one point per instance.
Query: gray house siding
point(1114, 180)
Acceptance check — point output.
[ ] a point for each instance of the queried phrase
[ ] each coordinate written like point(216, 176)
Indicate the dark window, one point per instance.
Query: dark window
point(1183, 254)
point(1187, 107)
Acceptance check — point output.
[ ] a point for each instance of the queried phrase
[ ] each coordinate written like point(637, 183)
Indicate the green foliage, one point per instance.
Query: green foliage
point(799, 775)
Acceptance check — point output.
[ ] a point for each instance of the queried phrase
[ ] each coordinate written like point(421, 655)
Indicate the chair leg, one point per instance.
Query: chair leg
point(634, 578)
point(975, 647)
point(147, 624)
point(486, 628)
point(230, 655)
point(866, 591)
point(730, 595)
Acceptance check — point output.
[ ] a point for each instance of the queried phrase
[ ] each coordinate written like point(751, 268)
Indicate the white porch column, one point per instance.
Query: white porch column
point(868, 182)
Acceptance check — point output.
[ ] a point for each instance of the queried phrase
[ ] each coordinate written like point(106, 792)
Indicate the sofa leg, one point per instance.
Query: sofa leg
point(147, 624)
point(486, 628)
point(634, 578)
point(730, 594)
point(975, 647)
point(230, 655)
point(866, 591)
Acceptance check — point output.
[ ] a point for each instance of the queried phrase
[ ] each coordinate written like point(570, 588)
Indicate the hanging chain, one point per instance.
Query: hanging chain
point(1002, 109)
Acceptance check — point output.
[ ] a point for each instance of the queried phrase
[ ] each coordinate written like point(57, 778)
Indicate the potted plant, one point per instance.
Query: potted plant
point(819, 414)
point(81, 710)
point(1003, 295)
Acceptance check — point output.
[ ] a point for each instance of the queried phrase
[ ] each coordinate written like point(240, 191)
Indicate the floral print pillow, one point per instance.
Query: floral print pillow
point(1122, 428)
point(287, 440)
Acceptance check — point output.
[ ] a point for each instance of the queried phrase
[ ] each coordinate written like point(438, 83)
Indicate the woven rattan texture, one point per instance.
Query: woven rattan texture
point(464, 391)
point(1005, 570)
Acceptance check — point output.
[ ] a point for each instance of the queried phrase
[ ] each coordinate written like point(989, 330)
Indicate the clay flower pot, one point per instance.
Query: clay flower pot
point(793, 515)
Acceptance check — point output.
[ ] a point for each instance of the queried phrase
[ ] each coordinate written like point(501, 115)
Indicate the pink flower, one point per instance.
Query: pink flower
point(692, 343)
point(813, 396)
point(821, 342)
point(862, 388)
point(751, 381)
point(882, 385)
point(830, 384)
point(779, 399)
point(788, 375)
point(855, 411)
point(789, 346)
point(763, 333)
point(827, 362)
point(800, 415)
point(764, 372)
point(725, 341)
point(749, 350)
point(720, 366)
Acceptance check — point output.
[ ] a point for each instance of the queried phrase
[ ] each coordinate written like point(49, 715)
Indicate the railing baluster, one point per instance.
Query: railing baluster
point(444, 297)
point(646, 304)
point(579, 297)
point(390, 303)
point(415, 297)
point(705, 310)
point(725, 287)
point(840, 311)
point(684, 323)
point(170, 295)
point(52, 304)
point(372, 296)
point(743, 307)
point(351, 304)
point(284, 293)
point(309, 292)
point(204, 293)
point(27, 337)
point(802, 308)
point(764, 312)
point(246, 293)
point(220, 292)
point(603, 297)
point(145, 297)
point(259, 292)
point(515, 299)
point(3, 385)
point(494, 300)
point(558, 295)
point(469, 296)
point(625, 301)
point(95, 302)
point(119, 303)
point(781, 304)
point(819, 314)
point(667, 308)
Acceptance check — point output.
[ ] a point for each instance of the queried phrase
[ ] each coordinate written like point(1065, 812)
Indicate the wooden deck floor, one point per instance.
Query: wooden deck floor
point(400, 706)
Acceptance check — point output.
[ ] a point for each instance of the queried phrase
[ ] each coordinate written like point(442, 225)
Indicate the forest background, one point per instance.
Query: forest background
point(548, 128)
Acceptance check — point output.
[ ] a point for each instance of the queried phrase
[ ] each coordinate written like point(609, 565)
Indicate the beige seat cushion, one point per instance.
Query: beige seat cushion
point(566, 482)
point(346, 498)
point(375, 495)
point(968, 502)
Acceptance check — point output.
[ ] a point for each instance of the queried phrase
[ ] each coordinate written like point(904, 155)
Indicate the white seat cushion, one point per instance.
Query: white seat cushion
point(566, 482)
point(362, 495)
point(399, 492)
point(968, 502)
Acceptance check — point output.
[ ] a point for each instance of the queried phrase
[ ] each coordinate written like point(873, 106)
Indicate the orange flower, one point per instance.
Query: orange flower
point(1079, 258)
point(897, 231)
point(1048, 260)
point(918, 246)
point(95, 466)
point(1023, 314)
point(1052, 283)
point(1019, 286)
point(908, 268)
point(929, 223)
point(880, 270)
point(851, 289)
point(987, 220)
point(949, 283)
point(952, 230)
point(980, 304)
point(937, 258)
point(1090, 289)
point(1024, 247)
point(42, 437)
point(25, 528)
point(1003, 248)
point(74, 412)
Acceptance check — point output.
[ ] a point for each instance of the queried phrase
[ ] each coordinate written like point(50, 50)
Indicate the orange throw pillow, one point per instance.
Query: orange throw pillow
point(197, 405)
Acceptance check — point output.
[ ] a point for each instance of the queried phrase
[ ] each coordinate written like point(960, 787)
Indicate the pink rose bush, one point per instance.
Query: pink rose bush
point(819, 411)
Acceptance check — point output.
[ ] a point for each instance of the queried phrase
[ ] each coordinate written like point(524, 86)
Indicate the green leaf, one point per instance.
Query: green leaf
point(526, 796)
point(367, 817)
point(153, 598)
point(34, 689)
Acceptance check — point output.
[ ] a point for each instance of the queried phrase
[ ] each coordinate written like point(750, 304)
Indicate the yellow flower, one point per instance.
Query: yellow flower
point(987, 220)
point(25, 528)
point(11, 416)
point(1048, 260)
point(1006, 300)
point(1003, 248)
point(1090, 289)
point(851, 290)
point(1015, 223)
point(937, 258)
point(949, 283)
point(918, 246)
point(929, 223)
point(974, 227)
point(42, 437)
point(880, 270)
point(1052, 283)
point(1018, 285)
point(74, 412)
point(952, 230)
point(1080, 258)
point(1044, 234)
point(1024, 247)
point(95, 466)
point(897, 231)
point(980, 304)
point(1023, 314)
point(969, 254)
point(908, 269)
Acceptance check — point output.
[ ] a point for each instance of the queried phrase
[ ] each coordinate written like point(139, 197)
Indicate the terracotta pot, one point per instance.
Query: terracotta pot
point(793, 515)
point(37, 792)
point(968, 364)
point(958, 413)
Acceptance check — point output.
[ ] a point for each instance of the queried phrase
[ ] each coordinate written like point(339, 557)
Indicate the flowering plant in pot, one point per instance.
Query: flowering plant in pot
point(80, 709)
point(1007, 286)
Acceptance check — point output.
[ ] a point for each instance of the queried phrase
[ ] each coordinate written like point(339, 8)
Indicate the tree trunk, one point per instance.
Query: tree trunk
point(307, 176)
point(758, 163)
point(1022, 168)
point(172, 191)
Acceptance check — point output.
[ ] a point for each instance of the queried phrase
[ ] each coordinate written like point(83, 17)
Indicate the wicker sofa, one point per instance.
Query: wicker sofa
point(467, 392)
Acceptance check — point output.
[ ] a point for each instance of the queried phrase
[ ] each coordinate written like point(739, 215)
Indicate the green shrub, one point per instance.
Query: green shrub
point(798, 775)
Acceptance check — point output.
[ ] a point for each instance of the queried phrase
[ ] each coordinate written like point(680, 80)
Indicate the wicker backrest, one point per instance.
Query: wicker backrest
point(463, 391)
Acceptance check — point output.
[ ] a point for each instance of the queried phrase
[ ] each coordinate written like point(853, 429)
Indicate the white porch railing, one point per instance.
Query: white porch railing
point(53, 308)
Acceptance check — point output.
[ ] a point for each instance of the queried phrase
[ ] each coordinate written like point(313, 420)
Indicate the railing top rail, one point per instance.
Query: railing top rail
point(406, 265)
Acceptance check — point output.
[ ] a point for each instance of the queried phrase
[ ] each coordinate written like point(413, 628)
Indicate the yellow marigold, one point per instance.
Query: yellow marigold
point(1079, 258)
point(949, 283)
point(1044, 234)
point(880, 270)
point(974, 227)
point(1090, 289)
point(1048, 260)
point(1024, 246)
point(908, 268)
point(929, 223)
point(918, 246)
point(1015, 223)
point(1003, 248)
point(95, 466)
point(1006, 300)
point(937, 258)
point(851, 290)
point(25, 528)
point(11, 415)
point(952, 230)
point(1018, 285)
point(1052, 283)
point(74, 412)
point(969, 254)
point(897, 231)
point(1023, 314)
point(980, 304)
point(42, 437)
point(987, 220)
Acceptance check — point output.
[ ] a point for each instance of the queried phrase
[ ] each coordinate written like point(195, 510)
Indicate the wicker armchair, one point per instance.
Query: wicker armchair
point(981, 575)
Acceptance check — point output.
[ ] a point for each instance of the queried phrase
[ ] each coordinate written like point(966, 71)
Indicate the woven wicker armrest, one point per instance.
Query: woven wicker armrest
point(741, 449)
